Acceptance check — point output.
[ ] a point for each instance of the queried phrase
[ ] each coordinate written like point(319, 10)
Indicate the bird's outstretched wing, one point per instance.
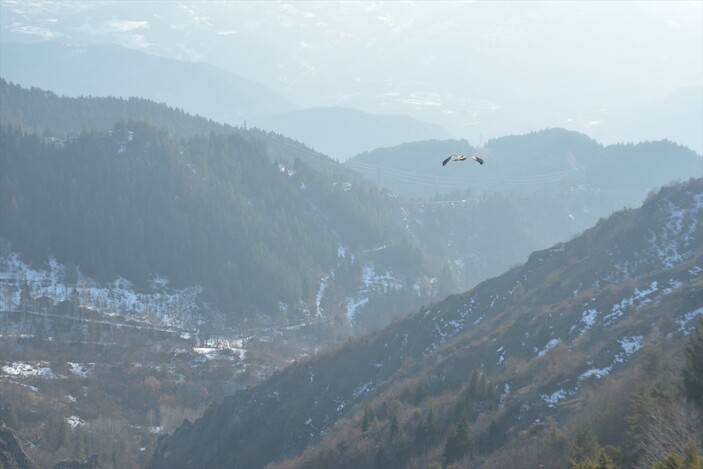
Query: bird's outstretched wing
point(476, 158)
point(446, 160)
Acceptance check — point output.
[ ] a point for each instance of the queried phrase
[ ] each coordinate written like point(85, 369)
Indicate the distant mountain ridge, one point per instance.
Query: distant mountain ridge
point(37, 110)
point(76, 69)
point(481, 234)
point(536, 335)
point(545, 160)
point(335, 131)
point(677, 117)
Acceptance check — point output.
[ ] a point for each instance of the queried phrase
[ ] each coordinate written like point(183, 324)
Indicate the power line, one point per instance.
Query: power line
point(454, 181)
point(375, 171)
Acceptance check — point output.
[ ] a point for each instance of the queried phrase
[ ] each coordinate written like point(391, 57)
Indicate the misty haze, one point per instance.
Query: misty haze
point(351, 234)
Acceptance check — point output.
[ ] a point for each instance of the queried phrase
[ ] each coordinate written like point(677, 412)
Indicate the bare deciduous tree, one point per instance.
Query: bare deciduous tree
point(669, 429)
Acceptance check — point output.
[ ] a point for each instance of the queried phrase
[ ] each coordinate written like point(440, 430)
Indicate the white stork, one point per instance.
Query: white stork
point(462, 158)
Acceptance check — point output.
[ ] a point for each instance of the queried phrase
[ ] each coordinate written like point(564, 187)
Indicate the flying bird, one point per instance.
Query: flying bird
point(461, 158)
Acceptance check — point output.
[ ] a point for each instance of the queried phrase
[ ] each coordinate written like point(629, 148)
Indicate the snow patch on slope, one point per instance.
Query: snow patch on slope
point(167, 306)
point(24, 370)
point(550, 345)
point(629, 346)
point(83, 370)
point(373, 282)
point(684, 323)
point(638, 299)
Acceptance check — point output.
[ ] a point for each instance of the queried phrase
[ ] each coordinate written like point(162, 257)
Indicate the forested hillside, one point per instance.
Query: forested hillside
point(335, 131)
point(124, 202)
point(250, 211)
point(267, 229)
point(548, 161)
point(584, 355)
point(44, 112)
point(292, 235)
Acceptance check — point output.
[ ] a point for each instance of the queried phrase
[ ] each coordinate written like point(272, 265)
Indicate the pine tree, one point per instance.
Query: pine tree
point(75, 301)
point(424, 437)
point(585, 448)
point(471, 391)
point(492, 438)
point(56, 432)
point(381, 461)
point(604, 461)
point(367, 420)
point(79, 443)
point(458, 443)
point(450, 447)
point(25, 297)
point(637, 424)
point(693, 370)
point(429, 428)
point(394, 425)
point(394, 409)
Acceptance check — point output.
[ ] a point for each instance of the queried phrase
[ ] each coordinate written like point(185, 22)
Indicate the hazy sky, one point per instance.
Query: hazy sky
point(473, 67)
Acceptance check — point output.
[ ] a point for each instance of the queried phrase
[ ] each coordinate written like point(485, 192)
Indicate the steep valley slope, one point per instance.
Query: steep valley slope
point(520, 349)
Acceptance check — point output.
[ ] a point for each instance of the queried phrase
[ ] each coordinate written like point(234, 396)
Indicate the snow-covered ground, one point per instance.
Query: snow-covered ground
point(221, 348)
point(629, 346)
point(163, 306)
point(41, 369)
point(24, 370)
point(74, 421)
point(686, 323)
point(373, 282)
point(83, 370)
point(550, 345)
